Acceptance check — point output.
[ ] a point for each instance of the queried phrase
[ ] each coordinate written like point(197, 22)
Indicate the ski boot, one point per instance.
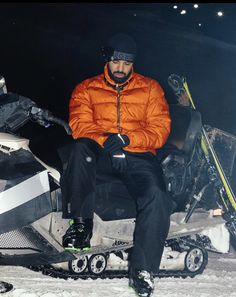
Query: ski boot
point(142, 282)
point(77, 237)
point(5, 287)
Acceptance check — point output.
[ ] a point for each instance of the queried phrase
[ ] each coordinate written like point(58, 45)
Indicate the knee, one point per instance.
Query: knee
point(163, 203)
point(156, 199)
point(154, 192)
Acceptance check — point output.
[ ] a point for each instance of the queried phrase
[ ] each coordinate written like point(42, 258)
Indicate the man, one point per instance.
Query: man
point(121, 117)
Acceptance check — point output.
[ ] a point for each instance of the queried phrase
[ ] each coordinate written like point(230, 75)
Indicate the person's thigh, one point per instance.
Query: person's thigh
point(144, 174)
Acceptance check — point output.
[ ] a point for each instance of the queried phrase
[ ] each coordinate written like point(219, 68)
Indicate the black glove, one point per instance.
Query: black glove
point(115, 142)
point(119, 161)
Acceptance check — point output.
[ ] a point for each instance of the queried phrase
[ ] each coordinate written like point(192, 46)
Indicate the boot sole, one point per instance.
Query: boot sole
point(76, 250)
point(133, 289)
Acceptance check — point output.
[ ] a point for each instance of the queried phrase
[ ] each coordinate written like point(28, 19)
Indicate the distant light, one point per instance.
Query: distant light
point(175, 6)
point(195, 6)
point(199, 24)
point(183, 11)
point(220, 13)
point(135, 14)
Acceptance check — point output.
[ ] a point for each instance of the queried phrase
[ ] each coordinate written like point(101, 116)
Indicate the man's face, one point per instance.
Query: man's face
point(120, 70)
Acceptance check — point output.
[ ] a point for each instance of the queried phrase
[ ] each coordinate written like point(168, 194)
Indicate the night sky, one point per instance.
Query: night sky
point(46, 49)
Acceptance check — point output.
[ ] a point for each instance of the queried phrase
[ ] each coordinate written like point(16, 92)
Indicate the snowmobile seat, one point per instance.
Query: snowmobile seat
point(177, 154)
point(185, 129)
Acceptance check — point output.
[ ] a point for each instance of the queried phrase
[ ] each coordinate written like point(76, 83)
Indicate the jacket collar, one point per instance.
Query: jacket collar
point(111, 82)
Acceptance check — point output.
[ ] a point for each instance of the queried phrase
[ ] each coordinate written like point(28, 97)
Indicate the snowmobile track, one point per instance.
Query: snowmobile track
point(60, 273)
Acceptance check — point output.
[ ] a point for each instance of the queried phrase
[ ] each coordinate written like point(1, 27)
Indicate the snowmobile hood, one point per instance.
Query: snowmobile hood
point(13, 142)
point(9, 143)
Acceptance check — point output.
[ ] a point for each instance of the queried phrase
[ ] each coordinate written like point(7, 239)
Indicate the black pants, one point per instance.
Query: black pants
point(144, 182)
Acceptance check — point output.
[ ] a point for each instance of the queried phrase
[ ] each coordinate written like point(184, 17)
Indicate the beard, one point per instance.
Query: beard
point(118, 80)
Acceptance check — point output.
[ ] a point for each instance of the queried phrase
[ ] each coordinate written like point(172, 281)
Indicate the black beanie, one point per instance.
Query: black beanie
point(120, 47)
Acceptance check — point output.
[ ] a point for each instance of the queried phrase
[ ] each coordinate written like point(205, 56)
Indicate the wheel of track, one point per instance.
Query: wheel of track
point(196, 260)
point(78, 265)
point(97, 264)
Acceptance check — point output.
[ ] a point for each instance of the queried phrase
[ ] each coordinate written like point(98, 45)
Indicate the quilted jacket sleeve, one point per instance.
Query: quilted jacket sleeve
point(81, 118)
point(157, 122)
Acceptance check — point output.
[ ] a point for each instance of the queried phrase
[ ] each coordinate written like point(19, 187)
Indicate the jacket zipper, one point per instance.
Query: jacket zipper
point(118, 108)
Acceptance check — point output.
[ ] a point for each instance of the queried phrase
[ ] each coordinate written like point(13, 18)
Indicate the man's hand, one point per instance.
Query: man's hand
point(115, 142)
point(119, 162)
point(113, 145)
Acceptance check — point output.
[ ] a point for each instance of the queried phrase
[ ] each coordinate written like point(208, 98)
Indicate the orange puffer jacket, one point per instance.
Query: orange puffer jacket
point(139, 110)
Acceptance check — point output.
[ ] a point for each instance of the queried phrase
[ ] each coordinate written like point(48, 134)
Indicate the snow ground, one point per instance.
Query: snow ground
point(218, 279)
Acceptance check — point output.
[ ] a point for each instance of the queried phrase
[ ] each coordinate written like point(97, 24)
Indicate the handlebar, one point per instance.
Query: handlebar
point(45, 117)
point(60, 123)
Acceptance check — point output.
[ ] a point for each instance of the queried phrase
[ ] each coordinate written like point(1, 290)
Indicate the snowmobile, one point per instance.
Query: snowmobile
point(31, 224)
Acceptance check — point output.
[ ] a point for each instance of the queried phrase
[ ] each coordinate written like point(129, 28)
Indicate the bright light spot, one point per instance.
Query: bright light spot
point(195, 5)
point(175, 6)
point(135, 14)
point(183, 11)
point(199, 24)
point(217, 212)
point(220, 13)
